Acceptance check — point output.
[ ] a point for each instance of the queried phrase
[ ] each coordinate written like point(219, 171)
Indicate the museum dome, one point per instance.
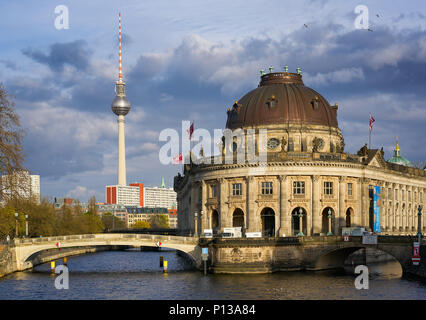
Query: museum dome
point(398, 159)
point(281, 99)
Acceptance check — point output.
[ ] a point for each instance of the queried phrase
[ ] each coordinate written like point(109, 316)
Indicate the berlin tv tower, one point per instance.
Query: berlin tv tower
point(120, 106)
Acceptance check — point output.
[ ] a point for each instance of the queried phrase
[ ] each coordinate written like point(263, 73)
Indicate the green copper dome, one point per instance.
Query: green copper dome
point(398, 159)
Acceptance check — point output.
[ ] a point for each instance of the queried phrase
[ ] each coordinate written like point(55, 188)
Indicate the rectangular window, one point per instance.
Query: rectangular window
point(214, 191)
point(290, 145)
point(304, 147)
point(403, 195)
point(237, 189)
point(389, 193)
point(266, 187)
point(349, 189)
point(298, 187)
point(396, 194)
point(409, 196)
point(328, 188)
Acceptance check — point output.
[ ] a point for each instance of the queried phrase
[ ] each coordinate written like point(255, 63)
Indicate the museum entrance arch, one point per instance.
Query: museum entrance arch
point(215, 221)
point(238, 218)
point(268, 222)
point(299, 221)
point(349, 217)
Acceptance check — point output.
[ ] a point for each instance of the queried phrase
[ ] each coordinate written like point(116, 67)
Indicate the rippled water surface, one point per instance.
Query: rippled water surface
point(137, 275)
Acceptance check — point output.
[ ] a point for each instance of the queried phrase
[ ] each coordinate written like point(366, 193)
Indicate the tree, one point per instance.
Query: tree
point(92, 205)
point(141, 225)
point(111, 222)
point(11, 150)
point(159, 221)
point(7, 222)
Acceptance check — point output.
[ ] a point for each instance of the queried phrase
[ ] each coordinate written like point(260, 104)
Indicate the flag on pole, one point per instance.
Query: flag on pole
point(191, 130)
point(177, 159)
point(371, 122)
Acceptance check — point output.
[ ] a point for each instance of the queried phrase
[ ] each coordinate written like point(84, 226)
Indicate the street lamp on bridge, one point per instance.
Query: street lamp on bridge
point(300, 234)
point(195, 224)
point(419, 223)
point(329, 233)
point(16, 224)
point(26, 225)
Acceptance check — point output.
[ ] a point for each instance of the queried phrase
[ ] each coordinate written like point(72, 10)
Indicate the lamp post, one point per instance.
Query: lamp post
point(201, 221)
point(195, 224)
point(419, 223)
point(329, 233)
point(16, 224)
point(300, 234)
point(26, 225)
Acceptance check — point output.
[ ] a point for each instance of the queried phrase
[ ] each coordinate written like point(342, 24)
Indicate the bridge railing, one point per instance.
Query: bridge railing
point(104, 236)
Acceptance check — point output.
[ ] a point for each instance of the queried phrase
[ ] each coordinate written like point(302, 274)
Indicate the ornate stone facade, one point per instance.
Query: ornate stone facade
point(307, 184)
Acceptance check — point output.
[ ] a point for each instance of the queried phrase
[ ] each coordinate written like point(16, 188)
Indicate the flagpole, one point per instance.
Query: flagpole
point(369, 140)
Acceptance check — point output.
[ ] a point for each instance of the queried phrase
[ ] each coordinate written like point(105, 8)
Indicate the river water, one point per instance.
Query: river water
point(137, 275)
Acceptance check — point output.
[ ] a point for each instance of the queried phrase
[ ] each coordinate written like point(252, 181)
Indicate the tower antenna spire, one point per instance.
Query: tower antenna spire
point(121, 107)
point(120, 72)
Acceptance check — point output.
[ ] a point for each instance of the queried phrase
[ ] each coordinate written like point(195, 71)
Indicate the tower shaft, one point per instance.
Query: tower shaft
point(121, 152)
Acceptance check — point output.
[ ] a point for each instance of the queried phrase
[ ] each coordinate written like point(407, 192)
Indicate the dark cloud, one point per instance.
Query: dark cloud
point(76, 54)
point(9, 64)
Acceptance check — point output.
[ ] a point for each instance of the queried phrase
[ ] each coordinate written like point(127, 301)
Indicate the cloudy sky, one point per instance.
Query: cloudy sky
point(189, 60)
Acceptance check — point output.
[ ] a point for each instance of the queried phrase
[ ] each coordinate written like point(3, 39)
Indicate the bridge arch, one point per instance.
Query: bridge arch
point(333, 258)
point(27, 250)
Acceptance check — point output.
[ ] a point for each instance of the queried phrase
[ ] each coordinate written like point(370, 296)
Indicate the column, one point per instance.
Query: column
point(223, 205)
point(383, 208)
point(206, 215)
point(341, 217)
point(250, 197)
point(193, 207)
point(316, 217)
point(285, 219)
point(365, 202)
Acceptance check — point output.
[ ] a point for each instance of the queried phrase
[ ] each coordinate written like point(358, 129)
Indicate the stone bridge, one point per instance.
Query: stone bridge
point(240, 255)
point(23, 254)
point(299, 253)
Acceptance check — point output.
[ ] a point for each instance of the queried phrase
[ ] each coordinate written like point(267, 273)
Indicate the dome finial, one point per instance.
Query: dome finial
point(397, 145)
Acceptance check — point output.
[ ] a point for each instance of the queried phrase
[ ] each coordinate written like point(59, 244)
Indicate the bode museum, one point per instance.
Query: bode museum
point(306, 183)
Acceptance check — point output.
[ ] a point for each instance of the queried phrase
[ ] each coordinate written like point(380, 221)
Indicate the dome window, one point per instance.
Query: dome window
point(314, 102)
point(271, 102)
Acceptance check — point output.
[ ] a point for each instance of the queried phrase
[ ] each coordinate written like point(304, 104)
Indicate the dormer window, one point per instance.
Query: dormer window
point(314, 102)
point(271, 102)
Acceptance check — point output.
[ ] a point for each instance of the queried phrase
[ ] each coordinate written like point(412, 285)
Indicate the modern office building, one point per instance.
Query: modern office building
point(123, 195)
point(160, 197)
point(22, 184)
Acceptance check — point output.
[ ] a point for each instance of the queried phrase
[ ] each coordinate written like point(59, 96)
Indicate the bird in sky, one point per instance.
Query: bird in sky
point(305, 25)
point(370, 29)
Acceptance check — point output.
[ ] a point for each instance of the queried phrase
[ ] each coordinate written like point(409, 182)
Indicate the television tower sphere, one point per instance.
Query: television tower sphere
point(120, 105)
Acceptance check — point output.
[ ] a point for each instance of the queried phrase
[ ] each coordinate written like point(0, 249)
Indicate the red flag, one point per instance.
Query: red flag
point(371, 122)
point(177, 159)
point(191, 130)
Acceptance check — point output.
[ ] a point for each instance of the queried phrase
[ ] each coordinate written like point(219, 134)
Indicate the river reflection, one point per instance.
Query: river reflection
point(137, 275)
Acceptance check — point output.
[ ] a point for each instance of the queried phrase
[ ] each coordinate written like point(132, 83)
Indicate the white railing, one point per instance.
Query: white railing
point(109, 236)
